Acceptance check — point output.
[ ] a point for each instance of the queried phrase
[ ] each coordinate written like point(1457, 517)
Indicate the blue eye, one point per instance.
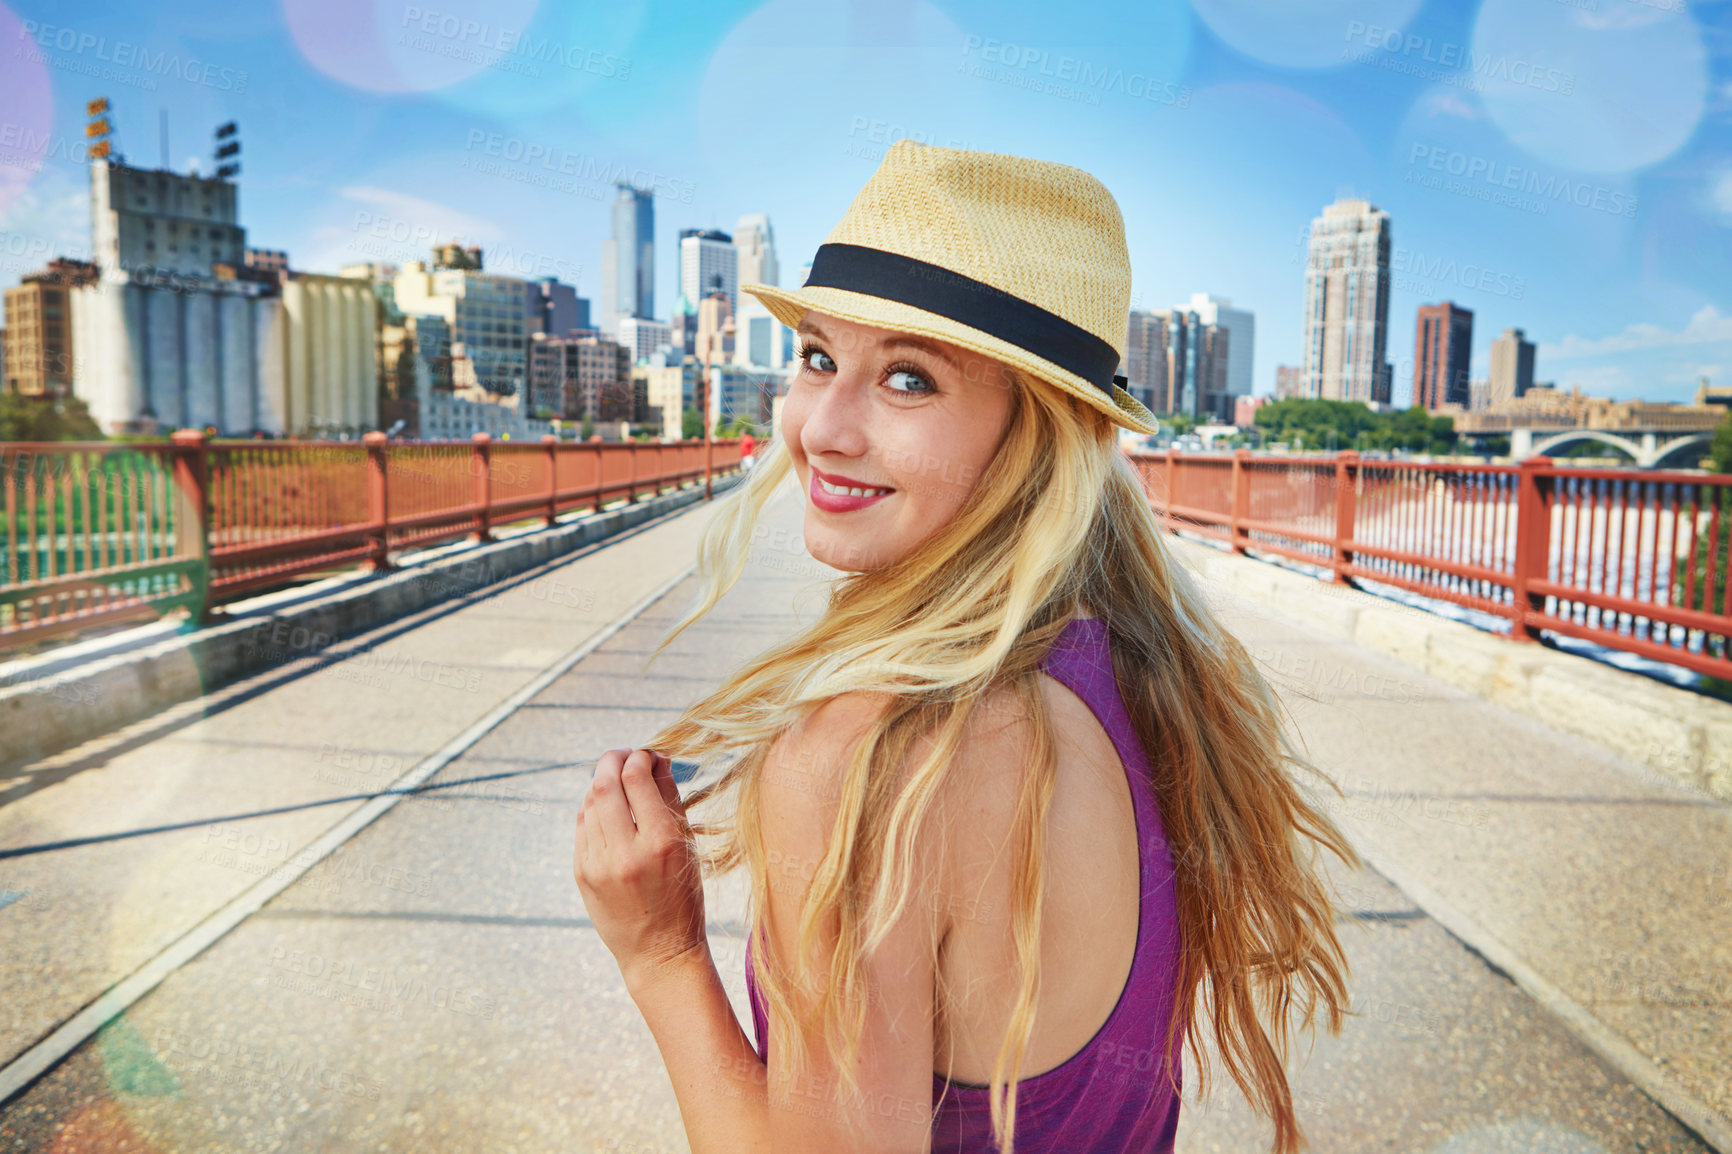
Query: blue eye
point(917, 383)
point(817, 360)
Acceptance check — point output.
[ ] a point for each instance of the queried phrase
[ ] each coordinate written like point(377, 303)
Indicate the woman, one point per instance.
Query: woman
point(1016, 805)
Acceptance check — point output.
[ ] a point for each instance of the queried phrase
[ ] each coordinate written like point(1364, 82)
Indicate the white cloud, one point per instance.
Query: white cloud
point(1452, 102)
point(1598, 380)
point(1617, 17)
point(369, 223)
point(407, 217)
point(1706, 327)
point(1720, 193)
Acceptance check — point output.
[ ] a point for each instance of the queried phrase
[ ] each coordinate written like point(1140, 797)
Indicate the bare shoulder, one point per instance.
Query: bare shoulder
point(806, 763)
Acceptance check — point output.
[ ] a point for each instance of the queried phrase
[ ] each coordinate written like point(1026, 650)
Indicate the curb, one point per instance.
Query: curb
point(1647, 1075)
point(1678, 735)
point(65, 709)
point(1680, 740)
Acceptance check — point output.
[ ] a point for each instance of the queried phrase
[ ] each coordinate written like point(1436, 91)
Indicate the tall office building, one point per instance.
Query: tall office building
point(580, 378)
point(1289, 382)
point(38, 356)
point(757, 247)
point(628, 259)
point(1145, 362)
point(485, 316)
point(642, 336)
point(1241, 326)
point(1347, 304)
point(1512, 367)
point(1175, 362)
point(1443, 348)
point(715, 339)
point(683, 327)
point(760, 339)
point(709, 263)
point(553, 309)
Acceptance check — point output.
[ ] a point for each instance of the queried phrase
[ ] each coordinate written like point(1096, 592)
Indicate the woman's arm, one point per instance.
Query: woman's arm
point(716, 1074)
point(642, 888)
point(891, 1109)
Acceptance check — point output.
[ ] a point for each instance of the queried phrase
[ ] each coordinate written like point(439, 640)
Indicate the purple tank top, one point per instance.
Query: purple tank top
point(1112, 1095)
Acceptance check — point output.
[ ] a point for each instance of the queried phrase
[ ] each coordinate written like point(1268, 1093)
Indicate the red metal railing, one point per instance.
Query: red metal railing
point(102, 532)
point(1635, 560)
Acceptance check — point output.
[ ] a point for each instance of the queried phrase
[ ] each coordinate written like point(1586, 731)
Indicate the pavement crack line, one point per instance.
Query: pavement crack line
point(50, 1050)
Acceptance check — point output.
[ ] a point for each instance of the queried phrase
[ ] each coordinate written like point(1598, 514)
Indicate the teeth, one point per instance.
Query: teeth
point(844, 491)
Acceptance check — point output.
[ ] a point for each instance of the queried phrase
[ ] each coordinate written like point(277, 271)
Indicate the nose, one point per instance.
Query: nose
point(836, 424)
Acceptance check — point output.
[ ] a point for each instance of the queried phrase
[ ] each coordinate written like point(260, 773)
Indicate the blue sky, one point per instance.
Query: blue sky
point(1562, 166)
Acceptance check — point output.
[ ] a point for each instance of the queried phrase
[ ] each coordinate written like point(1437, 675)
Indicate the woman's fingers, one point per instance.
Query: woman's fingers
point(648, 800)
point(670, 789)
point(607, 801)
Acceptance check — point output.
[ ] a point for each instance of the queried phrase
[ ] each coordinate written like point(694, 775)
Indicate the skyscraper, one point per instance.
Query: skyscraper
point(757, 247)
point(1241, 325)
point(553, 308)
point(1289, 382)
point(1347, 304)
point(1177, 363)
point(38, 353)
point(1443, 347)
point(1512, 367)
point(1145, 363)
point(485, 315)
point(628, 259)
point(709, 263)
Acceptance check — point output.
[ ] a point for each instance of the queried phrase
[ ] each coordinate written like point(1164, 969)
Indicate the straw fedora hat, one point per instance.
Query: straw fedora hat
point(1020, 260)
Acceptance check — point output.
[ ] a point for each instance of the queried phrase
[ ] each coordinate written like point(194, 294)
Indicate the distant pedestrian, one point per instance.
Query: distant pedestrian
point(1015, 803)
point(748, 445)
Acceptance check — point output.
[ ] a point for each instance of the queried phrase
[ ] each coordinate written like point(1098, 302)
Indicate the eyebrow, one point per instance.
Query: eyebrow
point(900, 340)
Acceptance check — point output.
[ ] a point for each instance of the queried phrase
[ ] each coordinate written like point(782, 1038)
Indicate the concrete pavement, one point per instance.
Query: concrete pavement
point(434, 984)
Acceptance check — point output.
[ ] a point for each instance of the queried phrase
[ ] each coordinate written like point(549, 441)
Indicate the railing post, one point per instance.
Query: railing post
point(378, 504)
point(552, 444)
point(595, 447)
point(1346, 502)
point(1532, 546)
point(192, 515)
point(480, 463)
point(1172, 471)
point(631, 457)
point(1241, 506)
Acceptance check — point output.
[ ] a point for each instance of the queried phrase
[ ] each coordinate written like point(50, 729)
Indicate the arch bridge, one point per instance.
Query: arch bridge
point(1648, 448)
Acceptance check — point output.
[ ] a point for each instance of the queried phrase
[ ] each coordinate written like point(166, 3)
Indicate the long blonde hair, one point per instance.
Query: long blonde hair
point(1058, 520)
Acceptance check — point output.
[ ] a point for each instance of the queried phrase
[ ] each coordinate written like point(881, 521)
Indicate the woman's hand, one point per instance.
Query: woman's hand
point(640, 879)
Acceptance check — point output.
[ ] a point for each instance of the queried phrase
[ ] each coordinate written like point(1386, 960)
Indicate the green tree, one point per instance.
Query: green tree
point(587, 429)
point(691, 425)
point(1325, 425)
point(46, 419)
point(1720, 448)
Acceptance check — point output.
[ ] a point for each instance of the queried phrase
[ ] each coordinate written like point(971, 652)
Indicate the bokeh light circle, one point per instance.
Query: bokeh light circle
point(1596, 91)
point(28, 98)
point(1303, 33)
point(386, 46)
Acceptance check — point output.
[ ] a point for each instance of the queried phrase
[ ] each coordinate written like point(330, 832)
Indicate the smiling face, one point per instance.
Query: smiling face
point(888, 433)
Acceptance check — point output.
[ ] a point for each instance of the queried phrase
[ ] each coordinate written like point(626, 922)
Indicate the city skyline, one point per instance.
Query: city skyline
point(1493, 205)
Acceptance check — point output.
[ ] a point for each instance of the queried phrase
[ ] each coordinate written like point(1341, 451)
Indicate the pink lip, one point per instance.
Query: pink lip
point(834, 503)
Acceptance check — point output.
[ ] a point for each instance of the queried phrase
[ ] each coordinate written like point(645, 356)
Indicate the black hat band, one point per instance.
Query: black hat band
point(932, 288)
